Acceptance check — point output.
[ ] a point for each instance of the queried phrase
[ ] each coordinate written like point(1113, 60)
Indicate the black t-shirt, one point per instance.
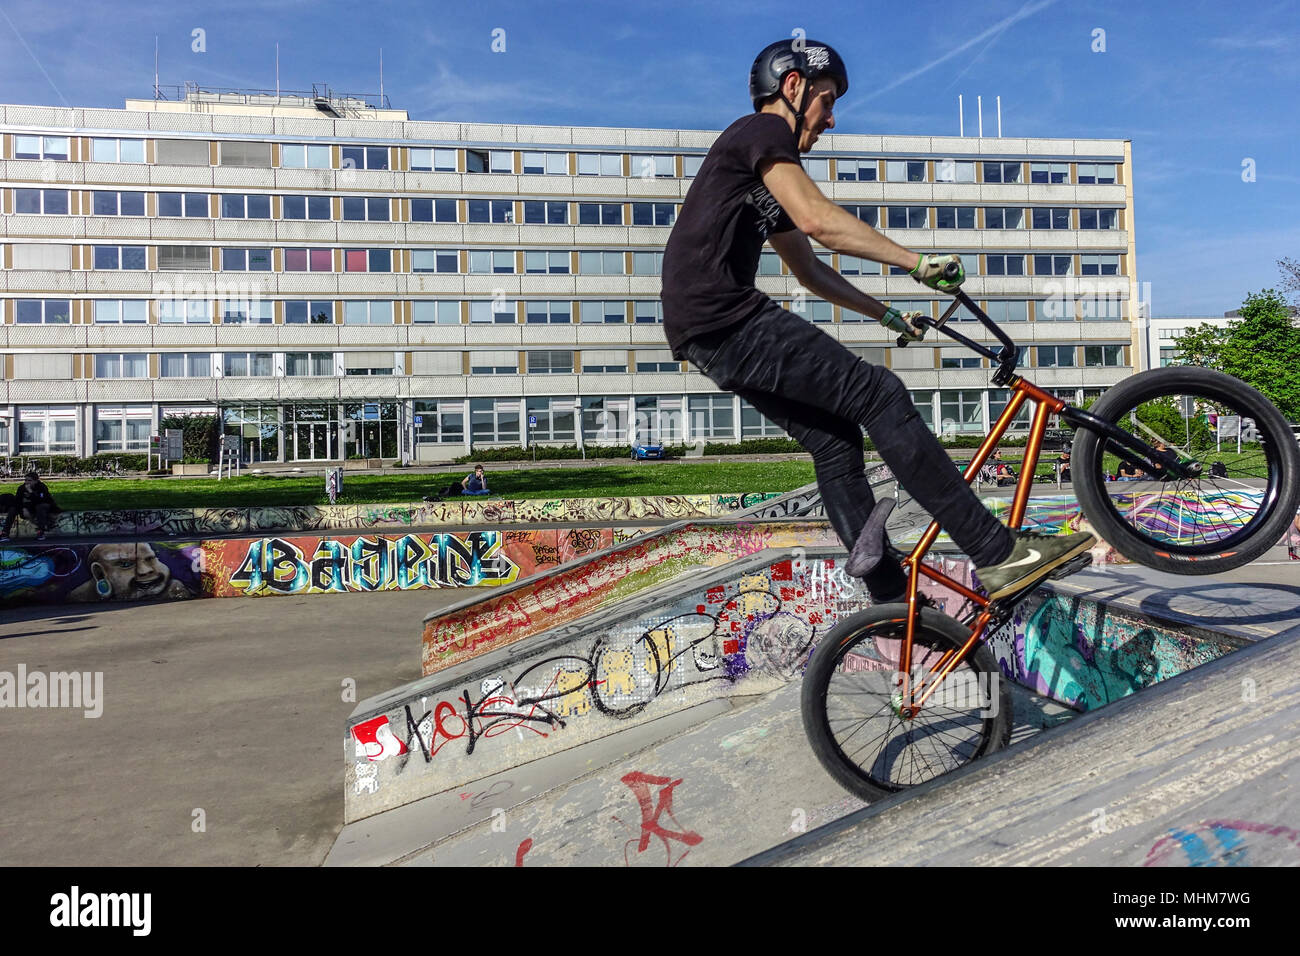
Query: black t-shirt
point(712, 254)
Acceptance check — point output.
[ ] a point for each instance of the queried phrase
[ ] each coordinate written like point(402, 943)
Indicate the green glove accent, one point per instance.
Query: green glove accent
point(895, 321)
point(929, 272)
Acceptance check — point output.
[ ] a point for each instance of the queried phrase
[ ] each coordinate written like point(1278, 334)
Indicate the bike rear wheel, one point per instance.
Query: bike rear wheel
point(850, 698)
point(1203, 525)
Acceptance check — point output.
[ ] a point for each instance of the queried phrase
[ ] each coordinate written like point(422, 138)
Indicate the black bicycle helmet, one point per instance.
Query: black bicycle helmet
point(809, 58)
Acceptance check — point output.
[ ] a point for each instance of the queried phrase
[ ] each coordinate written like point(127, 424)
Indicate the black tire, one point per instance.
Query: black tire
point(971, 732)
point(1270, 470)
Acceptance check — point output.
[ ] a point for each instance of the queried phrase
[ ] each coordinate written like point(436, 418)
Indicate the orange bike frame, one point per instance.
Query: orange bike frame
point(1047, 405)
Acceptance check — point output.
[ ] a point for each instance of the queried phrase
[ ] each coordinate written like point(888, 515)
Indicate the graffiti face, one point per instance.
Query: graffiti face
point(127, 572)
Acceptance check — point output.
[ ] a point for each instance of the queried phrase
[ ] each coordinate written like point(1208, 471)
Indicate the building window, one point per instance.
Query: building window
point(433, 210)
point(1098, 218)
point(367, 260)
point(556, 418)
point(318, 364)
point(647, 263)
point(123, 429)
point(600, 164)
point(1103, 355)
point(601, 263)
point(1053, 173)
point(489, 262)
point(998, 398)
point(691, 165)
point(306, 207)
point(49, 202)
point(540, 164)
point(117, 204)
point(183, 152)
point(491, 210)
point(187, 205)
point(1006, 265)
point(1003, 217)
point(648, 312)
point(364, 157)
point(868, 214)
point(498, 311)
point(656, 360)
point(818, 170)
point(489, 161)
point(427, 160)
point(652, 167)
point(120, 257)
point(44, 311)
point(308, 260)
point(814, 310)
point(711, 416)
point(952, 171)
point(117, 150)
point(604, 420)
point(958, 358)
point(855, 266)
point(753, 424)
point(1096, 173)
point(548, 313)
point(122, 365)
point(905, 171)
point(251, 311)
point(1106, 308)
point(600, 214)
point(654, 213)
point(365, 209)
point(954, 217)
point(494, 421)
point(303, 156)
point(1053, 265)
point(550, 362)
point(318, 312)
point(435, 260)
point(924, 402)
point(1098, 265)
point(907, 217)
point(1056, 307)
point(188, 311)
point(1051, 218)
point(246, 260)
point(41, 147)
point(546, 263)
point(769, 264)
point(184, 259)
point(245, 207)
point(500, 362)
point(600, 361)
point(961, 410)
point(429, 312)
point(249, 155)
point(1007, 310)
point(131, 311)
point(439, 422)
point(1002, 172)
point(47, 431)
point(1055, 356)
point(185, 365)
point(367, 313)
point(546, 212)
point(248, 364)
point(368, 363)
point(608, 312)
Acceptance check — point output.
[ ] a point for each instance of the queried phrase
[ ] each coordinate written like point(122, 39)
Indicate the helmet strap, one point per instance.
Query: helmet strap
point(798, 113)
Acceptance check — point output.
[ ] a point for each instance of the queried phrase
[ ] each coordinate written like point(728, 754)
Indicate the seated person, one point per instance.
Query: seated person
point(475, 484)
point(1130, 471)
point(1063, 464)
point(32, 500)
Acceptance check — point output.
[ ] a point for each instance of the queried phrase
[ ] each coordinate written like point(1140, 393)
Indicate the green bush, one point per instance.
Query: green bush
point(201, 438)
point(71, 465)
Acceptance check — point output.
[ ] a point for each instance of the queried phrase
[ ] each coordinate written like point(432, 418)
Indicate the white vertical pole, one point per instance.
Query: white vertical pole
point(277, 73)
point(961, 118)
point(999, 117)
point(979, 102)
point(155, 66)
point(381, 77)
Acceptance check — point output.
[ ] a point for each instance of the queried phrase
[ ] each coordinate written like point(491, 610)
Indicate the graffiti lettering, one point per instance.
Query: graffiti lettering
point(640, 784)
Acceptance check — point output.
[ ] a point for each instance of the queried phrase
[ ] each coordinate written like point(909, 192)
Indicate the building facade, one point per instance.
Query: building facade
point(337, 281)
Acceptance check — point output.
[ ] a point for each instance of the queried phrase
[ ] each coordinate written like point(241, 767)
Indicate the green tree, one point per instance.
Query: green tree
point(1262, 348)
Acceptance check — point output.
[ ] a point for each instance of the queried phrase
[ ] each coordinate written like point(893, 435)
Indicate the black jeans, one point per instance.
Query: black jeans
point(820, 393)
point(39, 513)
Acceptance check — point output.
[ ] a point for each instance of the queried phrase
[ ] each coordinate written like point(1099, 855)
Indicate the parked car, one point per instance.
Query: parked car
point(642, 451)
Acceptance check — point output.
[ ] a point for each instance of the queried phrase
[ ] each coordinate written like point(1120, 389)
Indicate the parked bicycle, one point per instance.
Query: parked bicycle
point(901, 693)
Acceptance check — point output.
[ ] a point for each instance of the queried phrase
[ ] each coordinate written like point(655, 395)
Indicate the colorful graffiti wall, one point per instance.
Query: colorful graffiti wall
point(84, 573)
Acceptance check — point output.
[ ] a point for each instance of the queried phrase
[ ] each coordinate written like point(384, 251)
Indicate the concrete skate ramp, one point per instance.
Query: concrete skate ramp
point(1199, 771)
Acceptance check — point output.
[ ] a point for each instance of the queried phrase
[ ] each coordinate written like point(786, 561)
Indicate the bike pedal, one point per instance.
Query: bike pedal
point(1075, 564)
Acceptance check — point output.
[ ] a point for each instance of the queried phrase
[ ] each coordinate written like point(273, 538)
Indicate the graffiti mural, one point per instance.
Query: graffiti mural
point(1227, 843)
point(82, 573)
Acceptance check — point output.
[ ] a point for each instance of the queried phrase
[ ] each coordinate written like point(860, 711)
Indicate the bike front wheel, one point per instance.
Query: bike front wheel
point(851, 702)
point(1239, 505)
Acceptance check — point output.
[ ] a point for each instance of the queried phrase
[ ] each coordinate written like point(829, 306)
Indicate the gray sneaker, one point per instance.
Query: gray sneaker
point(1035, 558)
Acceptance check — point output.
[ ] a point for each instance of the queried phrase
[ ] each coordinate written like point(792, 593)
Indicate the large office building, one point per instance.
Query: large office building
point(337, 281)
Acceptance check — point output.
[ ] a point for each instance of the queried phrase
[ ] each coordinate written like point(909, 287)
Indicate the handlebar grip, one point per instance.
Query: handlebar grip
point(901, 341)
point(952, 270)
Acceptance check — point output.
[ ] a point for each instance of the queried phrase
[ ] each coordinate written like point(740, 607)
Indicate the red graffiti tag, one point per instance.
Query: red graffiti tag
point(524, 847)
point(640, 784)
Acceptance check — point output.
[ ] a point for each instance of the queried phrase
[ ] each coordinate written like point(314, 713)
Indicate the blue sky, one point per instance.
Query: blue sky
point(1198, 86)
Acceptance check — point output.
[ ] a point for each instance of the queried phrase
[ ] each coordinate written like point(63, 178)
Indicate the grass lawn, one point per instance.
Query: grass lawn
point(104, 494)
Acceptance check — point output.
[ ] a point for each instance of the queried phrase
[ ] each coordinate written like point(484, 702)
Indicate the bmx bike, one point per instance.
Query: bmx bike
point(901, 693)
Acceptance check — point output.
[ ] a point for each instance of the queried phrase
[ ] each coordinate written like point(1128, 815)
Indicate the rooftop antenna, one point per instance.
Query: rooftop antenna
point(979, 102)
point(155, 66)
point(277, 73)
point(381, 77)
point(999, 117)
point(961, 118)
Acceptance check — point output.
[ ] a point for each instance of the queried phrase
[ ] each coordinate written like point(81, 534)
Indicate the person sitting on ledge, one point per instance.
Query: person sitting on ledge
point(32, 500)
point(475, 484)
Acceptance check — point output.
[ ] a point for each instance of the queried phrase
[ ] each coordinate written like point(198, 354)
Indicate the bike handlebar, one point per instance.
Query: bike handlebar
point(951, 271)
